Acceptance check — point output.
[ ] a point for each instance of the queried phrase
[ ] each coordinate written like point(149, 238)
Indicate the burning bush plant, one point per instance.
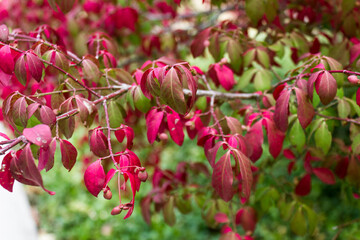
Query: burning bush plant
point(257, 77)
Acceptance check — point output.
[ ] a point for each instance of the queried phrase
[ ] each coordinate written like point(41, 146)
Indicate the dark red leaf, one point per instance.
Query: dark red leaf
point(94, 178)
point(303, 188)
point(289, 154)
point(68, 154)
point(282, 110)
point(248, 219)
point(39, 135)
point(305, 109)
point(47, 116)
point(6, 178)
point(325, 175)
point(222, 177)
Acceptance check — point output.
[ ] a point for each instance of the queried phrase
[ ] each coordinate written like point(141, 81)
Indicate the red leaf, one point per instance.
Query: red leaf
point(34, 65)
point(224, 76)
point(358, 97)
point(98, 142)
point(303, 188)
point(26, 166)
point(95, 178)
point(47, 116)
point(326, 87)
point(128, 132)
point(325, 175)
point(289, 154)
point(153, 122)
point(354, 52)
point(244, 164)
point(68, 154)
point(211, 153)
point(305, 109)
point(6, 178)
point(198, 45)
point(282, 110)
point(171, 91)
point(290, 167)
point(275, 137)
point(46, 156)
point(222, 178)
point(313, 77)
point(248, 219)
point(278, 90)
point(221, 218)
point(39, 135)
point(175, 128)
point(255, 139)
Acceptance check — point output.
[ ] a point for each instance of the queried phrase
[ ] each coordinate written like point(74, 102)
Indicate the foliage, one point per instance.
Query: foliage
point(273, 102)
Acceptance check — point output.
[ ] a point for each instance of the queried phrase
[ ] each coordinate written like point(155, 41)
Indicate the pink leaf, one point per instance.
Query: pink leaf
point(6, 178)
point(222, 178)
point(282, 110)
point(175, 128)
point(68, 154)
point(153, 122)
point(325, 175)
point(326, 87)
point(7, 61)
point(303, 188)
point(39, 135)
point(95, 178)
point(221, 218)
point(244, 164)
point(305, 109)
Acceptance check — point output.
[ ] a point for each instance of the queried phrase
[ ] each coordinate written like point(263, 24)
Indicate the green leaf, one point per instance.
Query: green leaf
point(168, 212)
point(297, 136)
point(262, 80)
point(355, 145)
point(323, 138)
point(115, 114)
point(264, 58)
point(312, 219)
point(141, 102)
point(249, 57)
point(255, 9)
point(245, 78)
point(343, 108)
point(234, 50)
point(298, 223)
